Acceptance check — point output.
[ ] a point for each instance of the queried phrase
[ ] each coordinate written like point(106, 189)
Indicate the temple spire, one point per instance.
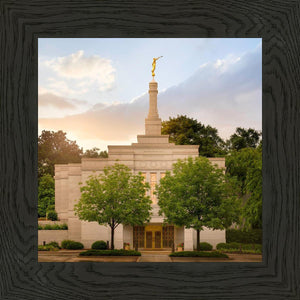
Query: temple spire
point(153, 122)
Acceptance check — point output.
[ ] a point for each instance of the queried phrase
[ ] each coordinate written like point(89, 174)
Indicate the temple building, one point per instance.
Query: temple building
point(152, 155)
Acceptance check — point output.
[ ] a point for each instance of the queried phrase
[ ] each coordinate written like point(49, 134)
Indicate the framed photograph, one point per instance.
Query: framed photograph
point(24, 25)
point(181, 130)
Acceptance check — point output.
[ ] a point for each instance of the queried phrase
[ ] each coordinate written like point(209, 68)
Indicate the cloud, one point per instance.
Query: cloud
point(49, 99)
point(224, 94)
point(85, 70)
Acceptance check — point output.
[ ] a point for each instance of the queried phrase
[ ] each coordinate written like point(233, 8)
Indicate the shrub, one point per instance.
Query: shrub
point(205, 246)
point(54, 244)
point(198, 254)
point(253, 236)
point(115, 252)
point(52, 215)
point(99, 245)
point(71, 245)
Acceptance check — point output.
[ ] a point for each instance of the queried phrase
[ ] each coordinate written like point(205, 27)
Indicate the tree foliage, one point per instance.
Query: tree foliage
point(55, 148)
point(95, 153)
point(115, 197)
point(246, 166)
point(187, 131)
point(46, 194)
point(244, 138)
point(196, 195)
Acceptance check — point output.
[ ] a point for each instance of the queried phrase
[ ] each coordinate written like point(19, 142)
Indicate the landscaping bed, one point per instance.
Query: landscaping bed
point(109, 255)
point(236, 251)
point(120, 252)
point(199, 256)
point(108, 258)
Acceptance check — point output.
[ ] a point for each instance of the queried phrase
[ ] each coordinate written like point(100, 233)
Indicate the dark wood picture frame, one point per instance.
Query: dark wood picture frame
point(276, 22)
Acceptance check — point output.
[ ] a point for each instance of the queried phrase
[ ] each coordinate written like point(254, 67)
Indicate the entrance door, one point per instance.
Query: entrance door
point(148, 239)
point(157, 239)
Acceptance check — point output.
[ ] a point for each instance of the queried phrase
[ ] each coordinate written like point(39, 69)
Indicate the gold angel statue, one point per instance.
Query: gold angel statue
point(154, 65)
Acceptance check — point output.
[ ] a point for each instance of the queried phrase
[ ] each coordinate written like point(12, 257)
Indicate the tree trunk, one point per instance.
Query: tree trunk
point(198, 240)
point(112, 244)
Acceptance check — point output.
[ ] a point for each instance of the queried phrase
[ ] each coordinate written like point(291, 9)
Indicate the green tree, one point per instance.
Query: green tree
point(246, 166)
point(115, 197)
point(55, 148)
point(244, 138)
point(46, 194)
point(187, 131)
point(95, 153)
point(198, 195)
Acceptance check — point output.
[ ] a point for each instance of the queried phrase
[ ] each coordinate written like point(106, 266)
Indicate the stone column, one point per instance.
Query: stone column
point(153, 113)
point(153, 122)
point(188, 239)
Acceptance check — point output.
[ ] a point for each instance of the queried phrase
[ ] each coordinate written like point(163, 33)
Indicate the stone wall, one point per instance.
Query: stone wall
point(48, 236)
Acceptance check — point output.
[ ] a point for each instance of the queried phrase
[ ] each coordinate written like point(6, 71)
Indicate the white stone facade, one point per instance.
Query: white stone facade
point(152, 155)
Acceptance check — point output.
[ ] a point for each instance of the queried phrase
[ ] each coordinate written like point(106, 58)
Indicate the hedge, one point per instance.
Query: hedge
point(253, 236)
point(198, 254)
point(71, 245)
point(242, 251)
point(53, 227)
point(47, 248)
point(240, 248)
point(116, 252)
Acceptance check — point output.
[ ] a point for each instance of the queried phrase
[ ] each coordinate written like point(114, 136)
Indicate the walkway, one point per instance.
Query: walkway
point(155, 256)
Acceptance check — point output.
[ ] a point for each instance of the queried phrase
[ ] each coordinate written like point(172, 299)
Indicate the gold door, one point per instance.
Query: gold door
point(157, 239)
point(153, 236)
point(148, 239)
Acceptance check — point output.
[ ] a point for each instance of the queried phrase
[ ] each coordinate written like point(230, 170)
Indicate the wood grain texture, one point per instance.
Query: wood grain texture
point(23, 22)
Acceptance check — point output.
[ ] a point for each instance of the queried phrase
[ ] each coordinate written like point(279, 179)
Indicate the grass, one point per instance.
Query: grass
point(120, 252)
point(198, 254)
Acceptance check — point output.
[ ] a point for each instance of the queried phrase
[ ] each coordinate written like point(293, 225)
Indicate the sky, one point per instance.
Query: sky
point(96, 90)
